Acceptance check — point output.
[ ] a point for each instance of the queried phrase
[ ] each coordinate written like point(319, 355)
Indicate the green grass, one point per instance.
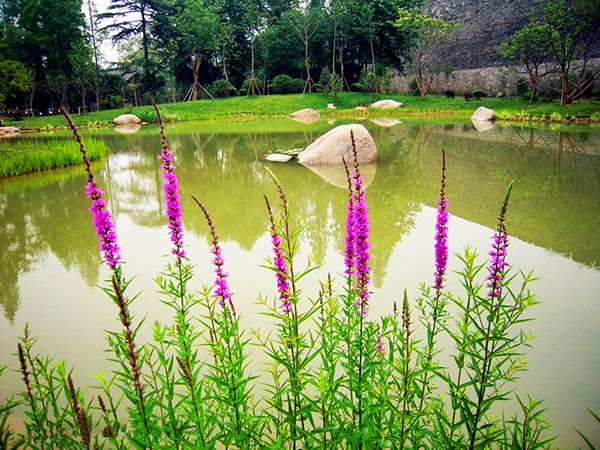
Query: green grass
point(21, 157)
point(239, 108)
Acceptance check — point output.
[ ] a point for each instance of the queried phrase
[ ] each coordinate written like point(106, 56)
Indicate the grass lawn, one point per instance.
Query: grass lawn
point(238, 108)
point(21, 157)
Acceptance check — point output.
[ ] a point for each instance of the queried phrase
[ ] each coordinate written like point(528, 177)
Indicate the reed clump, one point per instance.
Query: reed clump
point(336, 377)
point(22, 157)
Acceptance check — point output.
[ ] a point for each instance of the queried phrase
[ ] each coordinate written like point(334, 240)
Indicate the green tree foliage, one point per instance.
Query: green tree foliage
point(428, 36)
point(15, 80)
point(528, 52)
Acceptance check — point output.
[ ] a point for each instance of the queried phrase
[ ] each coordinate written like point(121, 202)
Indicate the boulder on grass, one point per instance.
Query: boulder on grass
point(336, 145)
point(9, 131)
point(387, 104)
point(483, 113)
point(306, 115)
point(127, 119)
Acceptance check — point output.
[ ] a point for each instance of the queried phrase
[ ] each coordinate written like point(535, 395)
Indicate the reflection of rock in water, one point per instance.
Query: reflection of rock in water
point(385, 122)
point(128, 129)
point(483, 125)
point(306, 119)
point(336, 175)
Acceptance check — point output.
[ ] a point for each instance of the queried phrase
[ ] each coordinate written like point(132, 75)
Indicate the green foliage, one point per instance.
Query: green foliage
point(21, 157)
point(376, 79)
point(15, 79)
point(222, 88)
point(330, 83)
point(284, 84)
point(478, 95)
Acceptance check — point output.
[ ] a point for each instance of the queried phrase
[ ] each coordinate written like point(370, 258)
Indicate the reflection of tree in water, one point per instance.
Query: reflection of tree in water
point(556, 199)
point(38, 217)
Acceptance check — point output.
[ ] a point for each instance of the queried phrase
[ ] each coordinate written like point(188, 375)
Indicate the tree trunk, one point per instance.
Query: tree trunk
point(306, 62)
point(195, 71)
point(333, 47)
point(565, 98)
point(95, 48)
point(145, 45)
point(372, 51)
point(225, 65)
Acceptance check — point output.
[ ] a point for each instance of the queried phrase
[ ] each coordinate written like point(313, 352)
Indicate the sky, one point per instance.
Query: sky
point(108, 49)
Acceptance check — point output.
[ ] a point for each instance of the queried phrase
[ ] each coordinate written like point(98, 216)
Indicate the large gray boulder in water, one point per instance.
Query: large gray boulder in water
point(127, 119)
point(336, 144)
point(483, 113)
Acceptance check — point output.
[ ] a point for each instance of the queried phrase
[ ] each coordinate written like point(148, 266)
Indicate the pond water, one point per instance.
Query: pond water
point(50, 267)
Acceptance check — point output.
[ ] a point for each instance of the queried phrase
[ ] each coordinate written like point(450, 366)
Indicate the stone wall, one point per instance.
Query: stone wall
point(491, 80)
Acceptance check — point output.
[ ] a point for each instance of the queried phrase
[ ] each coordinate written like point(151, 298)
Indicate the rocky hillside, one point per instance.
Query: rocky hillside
point(484, 24)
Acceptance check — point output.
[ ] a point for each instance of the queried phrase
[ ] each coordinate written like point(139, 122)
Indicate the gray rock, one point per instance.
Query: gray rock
point(278, 157)
point(127, 119)
point(9, 131)
point(483, 125)
point(336, 145)
point(306, 113)
point(387, 104)
point(483, 113)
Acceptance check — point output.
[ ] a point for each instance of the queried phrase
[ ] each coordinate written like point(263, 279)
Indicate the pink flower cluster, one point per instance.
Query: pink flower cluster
point(105, 228)
point(357, 240)
point(441, 241)
point(221, 285)
point(172, 197)
point(498, 262)
point(283, 284)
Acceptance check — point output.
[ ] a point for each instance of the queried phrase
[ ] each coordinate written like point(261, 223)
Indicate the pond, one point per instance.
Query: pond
point(50, 267)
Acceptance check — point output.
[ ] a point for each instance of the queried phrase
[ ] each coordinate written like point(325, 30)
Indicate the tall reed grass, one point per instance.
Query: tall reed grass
point(336, 378)
point(21, 157)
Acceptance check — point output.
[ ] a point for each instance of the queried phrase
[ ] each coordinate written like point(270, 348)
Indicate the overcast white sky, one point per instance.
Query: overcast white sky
point(109, 51)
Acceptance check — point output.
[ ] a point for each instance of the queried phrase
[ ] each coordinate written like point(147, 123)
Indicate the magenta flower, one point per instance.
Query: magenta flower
point(105, 229)
point(221, 285)
point(283, 284)
point(441, 235)
point(498, 263)
point(361, 243)
point(356, 252)
point(172, 197)
point(349, 255)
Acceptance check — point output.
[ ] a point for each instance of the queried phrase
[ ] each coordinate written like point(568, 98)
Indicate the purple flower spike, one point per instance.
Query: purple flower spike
point(280, 265)
point(498, 263)
point(361, 242)
point(221, 285)
point(349, 255)
point(172, 200)
point(441, 235)
point(171, 192)
point(105, 229)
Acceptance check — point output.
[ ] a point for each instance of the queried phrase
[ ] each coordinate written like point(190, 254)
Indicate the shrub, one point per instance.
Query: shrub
point(449, 93)
point(284, 84)
point(330, 83)
point(246, 84)
point(468, 96)
point(478, 95)
point(222, 88)
point(375, 79)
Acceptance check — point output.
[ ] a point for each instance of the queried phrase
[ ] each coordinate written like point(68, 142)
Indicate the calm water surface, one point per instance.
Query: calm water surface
point(50, 267)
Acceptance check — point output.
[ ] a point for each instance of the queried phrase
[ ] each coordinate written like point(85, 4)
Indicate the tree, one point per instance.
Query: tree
point(428, 35)
point(95, 39)
point(572, 30)
point(196, 24)
point(306, 21)
point(132, 18)
point(15, 80)
point(528, 52)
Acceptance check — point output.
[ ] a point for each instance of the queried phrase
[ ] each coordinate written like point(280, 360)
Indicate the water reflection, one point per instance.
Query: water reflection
point(556, 202)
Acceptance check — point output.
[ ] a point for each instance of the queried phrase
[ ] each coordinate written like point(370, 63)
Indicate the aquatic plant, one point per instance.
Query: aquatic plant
point(335, 376)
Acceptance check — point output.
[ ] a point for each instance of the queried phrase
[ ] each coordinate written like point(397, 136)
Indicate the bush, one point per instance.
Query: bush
point(246, 84)
point(375, 79)
point(330, 83)
point(111, 102)
point(222, 88)
point(449, 93)
point(413, 88)
point(468, 96)
point(284, 84)
point(478, 95)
